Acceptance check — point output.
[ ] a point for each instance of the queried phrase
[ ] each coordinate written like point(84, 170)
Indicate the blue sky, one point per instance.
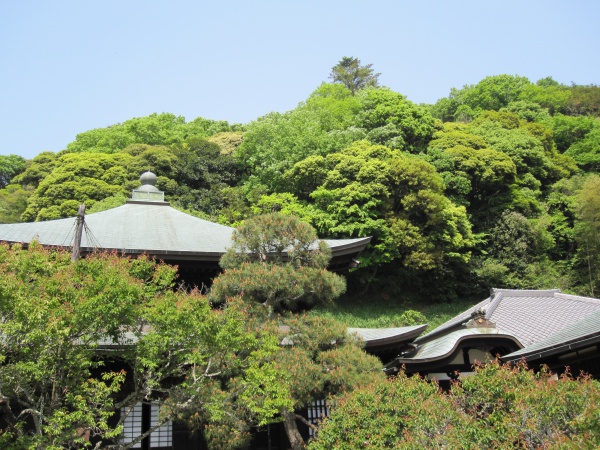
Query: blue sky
point(71, 66)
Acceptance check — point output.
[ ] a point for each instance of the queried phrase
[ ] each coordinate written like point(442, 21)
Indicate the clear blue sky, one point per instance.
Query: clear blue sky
point(70, 66)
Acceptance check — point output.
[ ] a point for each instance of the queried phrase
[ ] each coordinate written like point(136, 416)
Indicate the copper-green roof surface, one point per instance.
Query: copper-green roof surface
point(148, 225)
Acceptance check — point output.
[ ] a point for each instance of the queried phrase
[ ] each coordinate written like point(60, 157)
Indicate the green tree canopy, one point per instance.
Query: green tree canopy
point(322, 362)
point(37, 170)
point(83, 341)
point(491, 93)
point(10, 166)
point(584, 100)
point(276, 260)
point(497, 407)
point(474, 174)
point(155, 129)
point(192, 175)
point(549, 94)
point(523, 146)
point(568, 130)
point(76, 179)
point(393, 121)
point(330, 120)
point(323, 124)
point(586, 152)
point(587, 232)
point(349, 72)
point(495, 92)
point(397, 198)
point(13, 202)
point(201, 171)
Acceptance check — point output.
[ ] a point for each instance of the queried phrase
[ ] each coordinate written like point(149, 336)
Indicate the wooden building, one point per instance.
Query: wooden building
point(537, 326)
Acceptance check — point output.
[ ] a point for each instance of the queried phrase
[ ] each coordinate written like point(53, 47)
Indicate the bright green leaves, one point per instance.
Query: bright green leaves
point(81, 340)
point(106, 163)
point(386, 414)
point(372, 190)
point(587, 231)
point(273, 143)
point(393, 121)
point(55, 316)
point(76, 179)
point(497, 407)
point(155, 129)
point(586, 152)
point(196, 173)
point(10, 166)
point(524, 149)
point(277, 261)
point(491, 93)
point(474, 175)
point(329, 121)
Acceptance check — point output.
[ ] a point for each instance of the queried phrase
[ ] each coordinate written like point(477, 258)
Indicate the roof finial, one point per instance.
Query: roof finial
point(148, 192)
point(479, 320)
point(148, 178)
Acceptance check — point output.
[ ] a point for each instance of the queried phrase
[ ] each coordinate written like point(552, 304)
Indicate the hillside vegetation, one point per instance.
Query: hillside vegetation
point(494, 185)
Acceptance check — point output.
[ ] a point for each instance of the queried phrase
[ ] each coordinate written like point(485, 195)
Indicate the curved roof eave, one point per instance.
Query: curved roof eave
point(377, 337)
point(449, 350)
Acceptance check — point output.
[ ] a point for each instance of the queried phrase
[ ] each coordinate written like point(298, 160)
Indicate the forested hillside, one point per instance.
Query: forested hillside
point(494, 185)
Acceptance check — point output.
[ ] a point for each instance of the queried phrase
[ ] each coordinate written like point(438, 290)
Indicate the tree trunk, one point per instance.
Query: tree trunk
point(291, 429)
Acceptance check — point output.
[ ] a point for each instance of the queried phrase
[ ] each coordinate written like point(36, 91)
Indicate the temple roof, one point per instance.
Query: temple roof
point(573, 337)
point(147, 225)
point(446, 344)
point(528, 315)
point(534, 321)
point(131, 228)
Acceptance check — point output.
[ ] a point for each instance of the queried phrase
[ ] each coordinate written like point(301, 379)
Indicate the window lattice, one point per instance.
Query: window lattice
point(161, 437)
point(317, 411)
point(133, 426)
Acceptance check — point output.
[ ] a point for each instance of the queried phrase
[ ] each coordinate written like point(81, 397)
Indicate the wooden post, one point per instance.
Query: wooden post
point(78, 232)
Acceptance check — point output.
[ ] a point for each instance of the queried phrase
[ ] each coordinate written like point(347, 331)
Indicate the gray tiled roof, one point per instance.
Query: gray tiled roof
point(144, 227)
point(578, 333)
point(381, 336)
point(528, 315)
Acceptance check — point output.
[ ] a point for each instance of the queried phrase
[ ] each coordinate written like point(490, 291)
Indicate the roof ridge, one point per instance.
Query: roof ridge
point(578, 298)
point(526, 292)
point(495, 298)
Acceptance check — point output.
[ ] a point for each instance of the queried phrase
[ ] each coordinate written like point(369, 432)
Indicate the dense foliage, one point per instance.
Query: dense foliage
point(277, 264)
point(277, 261)
point(83, 341)
point(494, 185)
point(484, 187)
point(497, 407)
